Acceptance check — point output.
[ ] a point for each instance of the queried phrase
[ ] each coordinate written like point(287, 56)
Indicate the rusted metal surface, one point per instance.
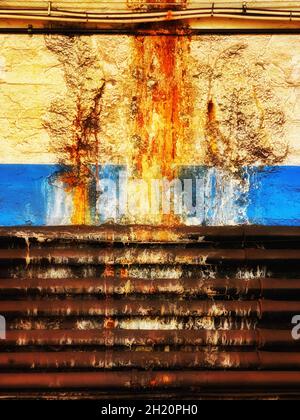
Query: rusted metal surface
point(132, 233)
point(109, 338)
point(152, 380)
point(117, 256)
point(147, 255)
point(110, 360)
point(111, 307)
point(135, 308)
point(122, 308)
point(109, 286)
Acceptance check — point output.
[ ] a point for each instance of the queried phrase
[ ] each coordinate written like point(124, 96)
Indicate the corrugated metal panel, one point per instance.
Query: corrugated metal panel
point(115, 309)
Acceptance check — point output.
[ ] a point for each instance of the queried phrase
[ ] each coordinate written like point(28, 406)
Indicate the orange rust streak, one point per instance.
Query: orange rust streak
point(211, 125)
point(211, 111)
point(161, 62)
point(163, 110)
point(124, 273)
point(80, 201)
point(80, 195)
point(109, 271)
point(110, 323)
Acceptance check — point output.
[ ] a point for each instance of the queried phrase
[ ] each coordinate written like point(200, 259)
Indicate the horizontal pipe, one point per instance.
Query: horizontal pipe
point(106, 14)
point(96, 4)
point(145, 255)
point(147, 233)
point(176, 8)
point(143, 20)
point(258, 287)
point(125, 307)
point(141, 255)
point(136, 323)
point(243, 12)
point(87, 19)
point(159, 13)
point(83, 30)
point(151, 380)
point(150, 360)
point(127, 338)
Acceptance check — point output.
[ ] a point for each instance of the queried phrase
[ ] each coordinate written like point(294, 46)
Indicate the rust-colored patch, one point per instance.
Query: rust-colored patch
point(78, 186)
point(162, 107)
point(212, 124)
point(109, 271)
point(73, 121)
point(109, 323)
point(124, 273)
point(162, 110)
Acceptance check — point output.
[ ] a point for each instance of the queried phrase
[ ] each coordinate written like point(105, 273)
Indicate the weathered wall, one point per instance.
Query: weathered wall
point(220, 109)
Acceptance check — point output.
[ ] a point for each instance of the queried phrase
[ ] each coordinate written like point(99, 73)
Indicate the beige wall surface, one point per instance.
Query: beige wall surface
point(219, 100)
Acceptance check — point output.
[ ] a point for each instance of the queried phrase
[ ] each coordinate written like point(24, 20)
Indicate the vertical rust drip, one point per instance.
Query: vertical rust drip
point(83, 152)
point(109, 323)
point(109, 271)
point(161, 108)
point(160, 122)
point(211, 122)
point(112, 274)
point(73, 121)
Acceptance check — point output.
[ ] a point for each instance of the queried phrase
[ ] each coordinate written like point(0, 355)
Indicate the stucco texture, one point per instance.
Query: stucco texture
point(244, 88)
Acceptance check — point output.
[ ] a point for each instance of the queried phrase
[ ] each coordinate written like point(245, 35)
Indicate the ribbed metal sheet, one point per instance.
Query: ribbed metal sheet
point(116, 309)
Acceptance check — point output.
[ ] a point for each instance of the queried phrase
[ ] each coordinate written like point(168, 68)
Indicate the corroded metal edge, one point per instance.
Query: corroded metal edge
point(145, 233)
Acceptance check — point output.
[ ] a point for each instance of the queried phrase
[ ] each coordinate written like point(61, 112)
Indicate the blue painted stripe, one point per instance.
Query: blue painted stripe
point(22, 194)
point(275, 196)
point(268, 196)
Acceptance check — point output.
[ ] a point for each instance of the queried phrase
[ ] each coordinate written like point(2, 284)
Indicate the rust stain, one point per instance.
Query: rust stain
point(78, 186)
point(211, 123)
point(162, 105)
point(109, 271)
point(74, 121)
point(109, 323)
point(161, 108)
point(80, 154)
point(124, 273)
